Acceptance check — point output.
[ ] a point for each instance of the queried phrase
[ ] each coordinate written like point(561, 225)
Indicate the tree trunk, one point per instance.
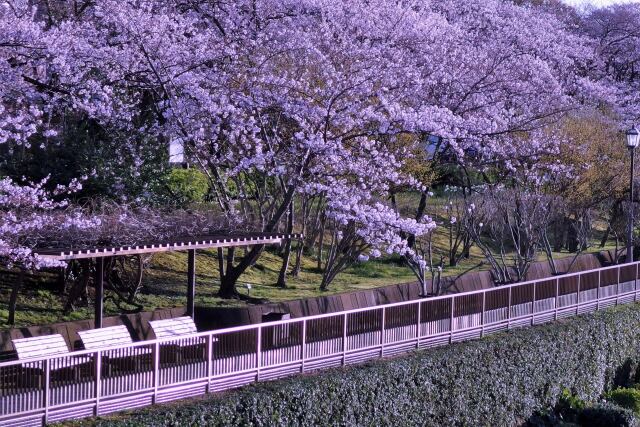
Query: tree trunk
point(558, 236)
point(79, 288)
point(233, 273)
point(282, 277)
point(466, 249)
point(572, 237)
point(298, 264)
point(605, 237)
point(228, 287)
point(13, 299)
point(221, 263)
point(61, 280)
point(323, 223)
point(394, 202)
point(615, 212)
point(300, 247)
point(411, 240)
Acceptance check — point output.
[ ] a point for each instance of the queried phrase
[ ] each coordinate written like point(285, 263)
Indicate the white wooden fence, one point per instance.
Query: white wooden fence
point(87, 383)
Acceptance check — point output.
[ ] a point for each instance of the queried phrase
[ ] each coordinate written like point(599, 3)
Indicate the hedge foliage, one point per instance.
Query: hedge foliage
point(500, 380)
point(186, 186)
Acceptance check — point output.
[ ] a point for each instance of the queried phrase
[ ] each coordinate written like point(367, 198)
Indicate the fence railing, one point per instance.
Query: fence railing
point(87, 383)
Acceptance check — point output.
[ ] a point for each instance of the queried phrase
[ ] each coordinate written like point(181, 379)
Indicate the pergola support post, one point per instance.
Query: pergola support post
point(191, 282)
point(99, 304)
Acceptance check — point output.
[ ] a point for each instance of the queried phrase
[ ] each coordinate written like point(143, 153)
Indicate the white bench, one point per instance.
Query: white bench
point(180, 327)
point(47, 345)
point(173, 328)
point(97, 339)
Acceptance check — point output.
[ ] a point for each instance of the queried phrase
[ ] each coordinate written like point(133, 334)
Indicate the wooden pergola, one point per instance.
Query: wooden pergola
point(189, 243)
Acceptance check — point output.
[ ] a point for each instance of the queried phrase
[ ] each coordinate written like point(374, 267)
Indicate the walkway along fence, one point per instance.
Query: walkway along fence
point(87, 383)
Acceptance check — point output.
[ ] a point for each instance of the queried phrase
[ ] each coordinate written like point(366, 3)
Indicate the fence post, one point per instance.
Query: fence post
point(258, 353)
point(98, 378)
point(618, 286)
point(451, 321)
point(484, 307)
point(418, 325)
point(156, 370)
point(635, 284)
point(509, 309)
point(598, 293)
point(46, 390)
point(344, 340)
point(303, 350)
point(209, 361)
point(533, 305)
point(382, 338)
point(578, 296)
point(557, 297)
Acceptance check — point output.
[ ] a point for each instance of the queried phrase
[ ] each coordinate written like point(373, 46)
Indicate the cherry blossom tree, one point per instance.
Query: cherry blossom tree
point(616, 32)
point(277, 100)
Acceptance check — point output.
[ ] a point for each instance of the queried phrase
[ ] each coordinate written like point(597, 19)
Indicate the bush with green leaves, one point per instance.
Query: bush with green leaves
point(568, 406)
point(626, 397)
point(499, 380)
point(184, 186)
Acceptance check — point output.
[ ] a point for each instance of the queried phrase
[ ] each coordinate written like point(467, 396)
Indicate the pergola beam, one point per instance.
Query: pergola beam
point(195, 243)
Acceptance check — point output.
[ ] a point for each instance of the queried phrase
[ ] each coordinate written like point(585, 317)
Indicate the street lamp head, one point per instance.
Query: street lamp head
point(633, 137)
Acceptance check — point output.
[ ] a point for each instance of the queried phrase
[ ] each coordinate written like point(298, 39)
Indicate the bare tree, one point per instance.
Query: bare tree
point(617, 227)
point(421, 261)
point(581, 226)
point(458, 238)
point(508, 226)
point(345, 247)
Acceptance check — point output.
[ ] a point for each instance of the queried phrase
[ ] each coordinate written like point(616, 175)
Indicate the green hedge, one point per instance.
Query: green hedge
point(500, 380)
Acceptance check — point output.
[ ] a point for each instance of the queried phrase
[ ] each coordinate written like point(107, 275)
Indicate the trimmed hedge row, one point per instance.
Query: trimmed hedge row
point(500, 380)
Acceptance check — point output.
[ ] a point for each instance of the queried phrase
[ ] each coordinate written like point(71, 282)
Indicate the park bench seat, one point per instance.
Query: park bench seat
point(179, 327)
point(173, 328)
point(47, 345)
point(113, 336)
point(176, 328)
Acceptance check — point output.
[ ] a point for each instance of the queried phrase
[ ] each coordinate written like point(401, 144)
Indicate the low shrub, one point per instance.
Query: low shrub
point(184, 186)
point(626, 397)
point(500, 380)
point(570, 401)
point(607, 415)
point(568, 406)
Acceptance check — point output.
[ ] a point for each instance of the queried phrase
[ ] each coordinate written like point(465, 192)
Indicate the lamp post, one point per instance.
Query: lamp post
point(632, 143)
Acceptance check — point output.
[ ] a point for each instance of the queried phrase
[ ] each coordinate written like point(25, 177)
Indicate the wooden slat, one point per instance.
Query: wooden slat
point(40, 346)
point(105, 337)
point(169, 328)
